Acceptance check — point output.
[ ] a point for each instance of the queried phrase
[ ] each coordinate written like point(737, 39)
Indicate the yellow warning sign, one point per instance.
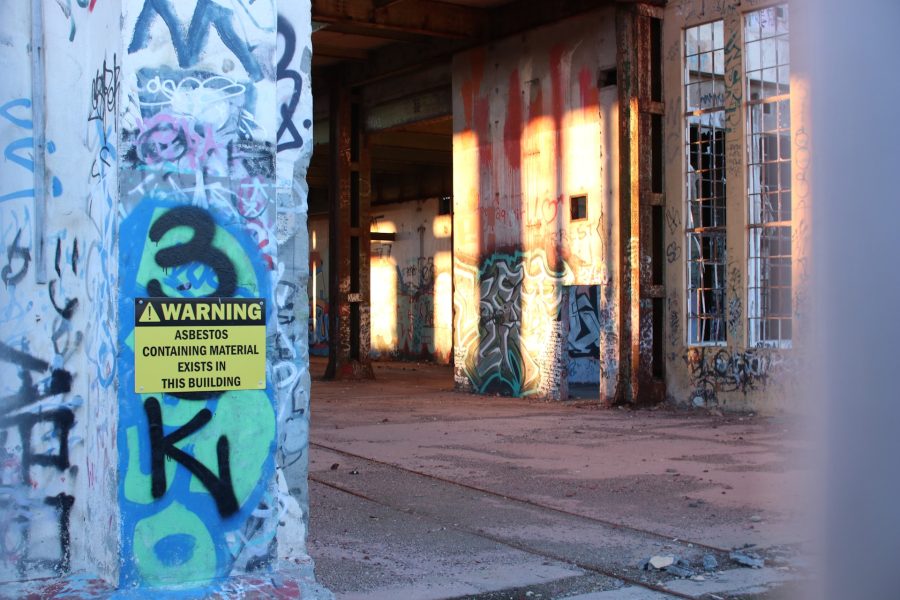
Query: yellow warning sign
point(199, 344)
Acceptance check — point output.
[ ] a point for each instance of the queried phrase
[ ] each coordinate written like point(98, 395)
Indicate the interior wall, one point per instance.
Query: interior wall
point(535, 123)
point(411, 282)
point(738, 373)
point(160, 141)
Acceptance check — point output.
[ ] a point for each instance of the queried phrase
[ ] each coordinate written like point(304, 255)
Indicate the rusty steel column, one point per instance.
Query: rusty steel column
point(348, 247)
point(642, 290)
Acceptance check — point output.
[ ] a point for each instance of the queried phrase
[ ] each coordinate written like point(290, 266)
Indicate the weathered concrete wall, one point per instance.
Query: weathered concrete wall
point(737, 373)
point(178, 135)
point(58, 411)
point(411, 282)
point(532, 128)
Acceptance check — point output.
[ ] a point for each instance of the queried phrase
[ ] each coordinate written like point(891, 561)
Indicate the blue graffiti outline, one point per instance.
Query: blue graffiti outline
point(133, 238)
point(11, 152)
point(188, 47)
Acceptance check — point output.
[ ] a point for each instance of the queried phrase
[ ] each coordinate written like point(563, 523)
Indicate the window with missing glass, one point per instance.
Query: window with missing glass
point(767, 88)
point(578, 208)
point(445, 205)
point(704, 121)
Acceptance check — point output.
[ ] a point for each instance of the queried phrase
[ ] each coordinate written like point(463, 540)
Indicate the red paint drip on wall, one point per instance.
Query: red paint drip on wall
point(512, 129)
point(486, 172)
point(482, 130)
point(91, 7)
point(472, 86)
point(536, 107)
point(556, 86)
point(589, 94)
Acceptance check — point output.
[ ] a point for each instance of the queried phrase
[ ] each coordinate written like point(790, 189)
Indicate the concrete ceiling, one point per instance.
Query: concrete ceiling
point(347, 30)
point(397, 54)
point(356, 32)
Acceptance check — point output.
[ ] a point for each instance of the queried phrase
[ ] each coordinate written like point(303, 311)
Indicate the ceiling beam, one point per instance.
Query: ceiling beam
point(423, 106)
point(367, 31)
point(413, 156)
point(398, 60)
point(342, 53)
point(384, 3)
point(424, 17)
point(521, 15)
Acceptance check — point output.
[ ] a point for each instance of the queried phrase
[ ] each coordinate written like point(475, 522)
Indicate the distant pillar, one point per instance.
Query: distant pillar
point(642, 294)
point(349, 253)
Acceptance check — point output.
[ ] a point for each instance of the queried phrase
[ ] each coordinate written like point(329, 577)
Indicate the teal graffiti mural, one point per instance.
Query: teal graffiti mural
point(507, 346)
point(195, 466)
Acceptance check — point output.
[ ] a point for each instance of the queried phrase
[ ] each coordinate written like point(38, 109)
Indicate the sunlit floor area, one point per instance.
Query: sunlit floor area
point(421, 492)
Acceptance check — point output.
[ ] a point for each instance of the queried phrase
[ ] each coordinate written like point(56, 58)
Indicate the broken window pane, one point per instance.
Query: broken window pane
point(705, 178)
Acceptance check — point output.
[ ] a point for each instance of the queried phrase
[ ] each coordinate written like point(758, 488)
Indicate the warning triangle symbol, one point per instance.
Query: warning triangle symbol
point(149, 315)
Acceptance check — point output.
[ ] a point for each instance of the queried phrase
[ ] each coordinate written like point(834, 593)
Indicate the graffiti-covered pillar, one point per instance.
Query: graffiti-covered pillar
point(215, 137)
point(154, 381)
point(349, 252)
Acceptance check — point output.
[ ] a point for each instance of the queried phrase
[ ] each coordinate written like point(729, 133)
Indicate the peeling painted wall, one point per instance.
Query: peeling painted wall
point(178, 136)
point(532, 128)
point(737, 374)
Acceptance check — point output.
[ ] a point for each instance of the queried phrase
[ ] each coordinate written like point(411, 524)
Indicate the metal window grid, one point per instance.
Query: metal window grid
point(704, 81)
point(767, 85)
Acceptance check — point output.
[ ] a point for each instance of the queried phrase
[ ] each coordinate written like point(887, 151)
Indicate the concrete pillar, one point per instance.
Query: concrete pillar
point(175, 139)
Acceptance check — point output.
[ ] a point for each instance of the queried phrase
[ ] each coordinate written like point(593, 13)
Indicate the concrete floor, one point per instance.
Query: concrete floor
point(418, 492)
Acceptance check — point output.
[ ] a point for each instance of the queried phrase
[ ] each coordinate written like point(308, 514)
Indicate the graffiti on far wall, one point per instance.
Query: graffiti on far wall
point(714, 371)
point(505, 344)
point(585, 333)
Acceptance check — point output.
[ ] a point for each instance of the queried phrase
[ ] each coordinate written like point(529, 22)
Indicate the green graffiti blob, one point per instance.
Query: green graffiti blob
point(176, 545)
point(247, 419)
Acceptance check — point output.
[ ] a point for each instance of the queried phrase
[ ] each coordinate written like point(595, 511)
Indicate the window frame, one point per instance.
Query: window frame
point(694, 118)
point(758, 291)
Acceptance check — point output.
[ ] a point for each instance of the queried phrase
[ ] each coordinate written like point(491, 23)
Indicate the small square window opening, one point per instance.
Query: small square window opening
point(578, 208)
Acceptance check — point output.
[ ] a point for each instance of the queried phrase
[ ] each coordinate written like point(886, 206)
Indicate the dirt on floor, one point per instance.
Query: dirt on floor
point(418, 491)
